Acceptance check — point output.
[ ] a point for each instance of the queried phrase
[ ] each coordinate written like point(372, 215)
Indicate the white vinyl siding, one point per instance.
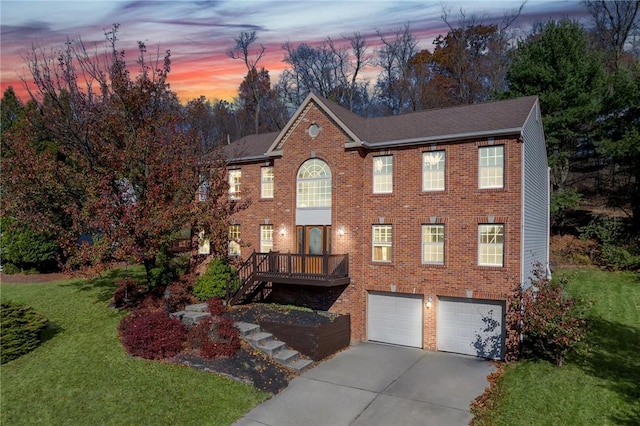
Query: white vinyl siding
point(382, 243)
point(433, 244)
point(491, 245)
point(433, 164)
point(383, 174)
point(491, 160)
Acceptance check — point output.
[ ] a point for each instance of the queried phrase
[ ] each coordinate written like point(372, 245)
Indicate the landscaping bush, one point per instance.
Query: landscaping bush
point(152, 334)
point(223, 341)
point(179, 295)
point(216, 306)
point(24, 250)
point(551, 324)
point(213, 283)
point(617, 249)
point(168, 268)
point(20, 328)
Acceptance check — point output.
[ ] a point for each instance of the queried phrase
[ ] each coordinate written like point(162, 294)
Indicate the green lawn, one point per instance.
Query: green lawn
point(602, 388)
point(81, 375)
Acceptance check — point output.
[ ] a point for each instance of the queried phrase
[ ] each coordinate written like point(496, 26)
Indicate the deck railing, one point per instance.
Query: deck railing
point(304, 266)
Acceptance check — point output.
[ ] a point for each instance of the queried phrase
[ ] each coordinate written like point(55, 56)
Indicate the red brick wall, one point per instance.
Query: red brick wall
point(461, 207)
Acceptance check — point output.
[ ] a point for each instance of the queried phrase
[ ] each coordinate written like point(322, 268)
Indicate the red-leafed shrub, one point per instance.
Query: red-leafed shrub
point(152, 334)
point(179, 297)
point(216, 306)
point(128, 294)
point(223, 340)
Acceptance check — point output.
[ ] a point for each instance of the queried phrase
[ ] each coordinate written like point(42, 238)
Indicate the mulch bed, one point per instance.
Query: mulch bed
point(248, 365)
point(32, 278)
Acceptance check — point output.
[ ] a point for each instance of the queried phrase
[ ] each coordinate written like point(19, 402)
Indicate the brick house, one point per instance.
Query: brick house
point(416, 225)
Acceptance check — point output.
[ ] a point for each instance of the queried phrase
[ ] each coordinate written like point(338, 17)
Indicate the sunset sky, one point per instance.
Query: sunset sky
point(200, 33)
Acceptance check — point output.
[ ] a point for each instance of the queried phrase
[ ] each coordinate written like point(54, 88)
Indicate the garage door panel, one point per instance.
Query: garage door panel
point(471, 326)
point(395, 318)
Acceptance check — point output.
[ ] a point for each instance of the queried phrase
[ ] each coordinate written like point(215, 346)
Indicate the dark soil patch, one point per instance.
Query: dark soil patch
point(32, 278)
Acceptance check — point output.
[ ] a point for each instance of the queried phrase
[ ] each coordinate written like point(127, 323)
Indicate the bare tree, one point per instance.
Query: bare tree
point(393, 56)
point(241, 51)
point(615, 22)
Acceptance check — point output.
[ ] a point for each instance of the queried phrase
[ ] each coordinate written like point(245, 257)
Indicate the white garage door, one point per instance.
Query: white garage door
point(471, 326)
point(395, 318)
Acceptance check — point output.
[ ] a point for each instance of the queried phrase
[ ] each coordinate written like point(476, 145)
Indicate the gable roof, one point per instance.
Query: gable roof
point(490, 119)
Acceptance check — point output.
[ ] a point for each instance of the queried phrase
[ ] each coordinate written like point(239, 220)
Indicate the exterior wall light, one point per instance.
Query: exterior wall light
point(341, 230)
point(283, 230)
point(429, 303)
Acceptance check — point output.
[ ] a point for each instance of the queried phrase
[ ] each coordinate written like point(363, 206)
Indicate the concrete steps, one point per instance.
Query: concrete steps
point(276, 349)
point(252, 334)
point(192, 314)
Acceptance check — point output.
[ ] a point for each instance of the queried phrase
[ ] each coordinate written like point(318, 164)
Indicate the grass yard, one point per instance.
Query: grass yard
point(81, 375)
point(602, 388)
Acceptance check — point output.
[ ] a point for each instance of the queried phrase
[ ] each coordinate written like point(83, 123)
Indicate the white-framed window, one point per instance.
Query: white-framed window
point(383, 174)
point(234, 238)
point(382, 243)
point(433, 244)
point(266, 238)
point(266, 182)
point(433, 164)
point(491, 167)
point(204, 245)
point(491, 245)
point(313, 185)
point(235, 179)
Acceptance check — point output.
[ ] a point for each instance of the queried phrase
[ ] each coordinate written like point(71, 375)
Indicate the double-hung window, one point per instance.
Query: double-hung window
point(491, 165)
point(235, 179)
point(433, 244)
point(266, 182)
point(266, 238)
point(382, 243)
point(383, 174)
point(491, 245)
point(433, 164)
point(234, 238)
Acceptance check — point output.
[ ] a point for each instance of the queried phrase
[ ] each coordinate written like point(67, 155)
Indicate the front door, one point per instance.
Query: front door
point(313, 240)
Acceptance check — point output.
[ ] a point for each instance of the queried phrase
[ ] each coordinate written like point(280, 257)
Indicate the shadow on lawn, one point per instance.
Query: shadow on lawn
point(613, 356)
point(104, 283)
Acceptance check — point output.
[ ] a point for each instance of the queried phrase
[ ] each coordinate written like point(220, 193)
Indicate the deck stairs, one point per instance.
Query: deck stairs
point(252, 334)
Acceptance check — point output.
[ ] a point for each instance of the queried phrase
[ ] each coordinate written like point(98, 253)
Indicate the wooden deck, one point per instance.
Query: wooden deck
point(317, 270)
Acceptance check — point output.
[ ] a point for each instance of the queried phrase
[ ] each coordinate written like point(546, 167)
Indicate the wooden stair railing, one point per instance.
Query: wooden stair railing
point(244, 278)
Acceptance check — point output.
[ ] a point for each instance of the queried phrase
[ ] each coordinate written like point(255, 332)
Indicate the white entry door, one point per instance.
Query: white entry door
point(395, 318)
point(471, 326)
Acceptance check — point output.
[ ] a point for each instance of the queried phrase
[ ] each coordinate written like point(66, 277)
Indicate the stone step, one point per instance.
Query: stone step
point(299, 364)
point(286, 356)
point(247, 329)
point(193, 318)
point(260, 338)
point(272, 347)
point(199, 307)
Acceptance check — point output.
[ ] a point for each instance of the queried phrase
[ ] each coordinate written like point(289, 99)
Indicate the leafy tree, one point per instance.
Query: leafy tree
point(619, 142)
point(125, 168)
point(556, 63)
point(27, 250)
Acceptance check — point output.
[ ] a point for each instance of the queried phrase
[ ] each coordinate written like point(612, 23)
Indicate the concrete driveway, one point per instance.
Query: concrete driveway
point(374, 384)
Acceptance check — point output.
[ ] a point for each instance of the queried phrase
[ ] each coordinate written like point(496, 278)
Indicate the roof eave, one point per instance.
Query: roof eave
point(438, 138)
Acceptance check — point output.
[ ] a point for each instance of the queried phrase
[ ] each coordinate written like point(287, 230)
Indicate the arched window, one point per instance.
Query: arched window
point(314, 185)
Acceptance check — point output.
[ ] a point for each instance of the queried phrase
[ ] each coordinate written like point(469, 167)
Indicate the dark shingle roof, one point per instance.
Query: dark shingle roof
point(252, 147)
point(466, 121)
